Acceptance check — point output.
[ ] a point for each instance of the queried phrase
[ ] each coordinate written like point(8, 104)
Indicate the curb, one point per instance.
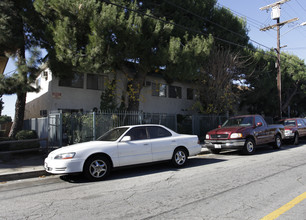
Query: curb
point(22, 175)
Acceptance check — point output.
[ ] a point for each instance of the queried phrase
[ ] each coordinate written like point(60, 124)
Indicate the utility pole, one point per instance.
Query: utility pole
point(275, 15)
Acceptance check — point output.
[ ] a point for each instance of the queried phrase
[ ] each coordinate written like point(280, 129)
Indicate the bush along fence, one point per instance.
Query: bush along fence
point(25, 141)
point(61, 129)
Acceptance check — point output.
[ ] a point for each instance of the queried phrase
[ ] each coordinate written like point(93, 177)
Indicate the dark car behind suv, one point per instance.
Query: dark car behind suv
point(294, 129)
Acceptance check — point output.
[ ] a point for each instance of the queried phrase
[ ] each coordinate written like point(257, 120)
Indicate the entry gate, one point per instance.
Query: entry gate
point(55, 122)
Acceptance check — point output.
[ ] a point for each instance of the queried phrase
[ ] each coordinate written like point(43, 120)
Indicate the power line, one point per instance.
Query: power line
point(252, 22)
point(190, 29)
point(256, 23)
point(177, 25)
point(300, 5)
point(214, 23)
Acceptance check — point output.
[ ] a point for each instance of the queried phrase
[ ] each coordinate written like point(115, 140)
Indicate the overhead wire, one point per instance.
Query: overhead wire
point(252, 22)
point(191, 29)
point(214, 23)
point(175, 24)
point(300, 5)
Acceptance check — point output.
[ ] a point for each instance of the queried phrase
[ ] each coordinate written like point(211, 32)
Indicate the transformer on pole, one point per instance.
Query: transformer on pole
point(275, 15)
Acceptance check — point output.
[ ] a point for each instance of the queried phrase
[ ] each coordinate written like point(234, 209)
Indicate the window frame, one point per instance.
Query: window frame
point(77, 81)
point(159, 89)
point(176, 93)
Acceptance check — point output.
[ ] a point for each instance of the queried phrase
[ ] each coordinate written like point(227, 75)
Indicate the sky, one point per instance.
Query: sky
point(293, 35)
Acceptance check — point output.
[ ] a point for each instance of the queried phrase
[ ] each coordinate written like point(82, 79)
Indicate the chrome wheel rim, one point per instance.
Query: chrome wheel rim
point(296, 139)
point(180, 157)
point(278, 142)
point(97, 168)
point(250, 147)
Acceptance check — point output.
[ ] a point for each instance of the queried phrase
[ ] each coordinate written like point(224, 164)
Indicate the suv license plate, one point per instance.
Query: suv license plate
point(217, 145)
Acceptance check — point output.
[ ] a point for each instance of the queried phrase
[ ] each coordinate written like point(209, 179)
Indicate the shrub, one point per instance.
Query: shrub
point(5, 118)
point(2, 133)
point(26, 134)
point(21, 135)
point(5, 147)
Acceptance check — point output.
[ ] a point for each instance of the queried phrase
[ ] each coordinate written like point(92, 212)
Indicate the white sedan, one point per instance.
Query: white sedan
point(123, 146)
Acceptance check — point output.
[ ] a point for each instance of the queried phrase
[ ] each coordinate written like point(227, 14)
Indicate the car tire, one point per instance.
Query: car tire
point(249, 147)
point(97, 168)
point(278, 142)
point(296, 139)
point(180, 157)
point(215, 151)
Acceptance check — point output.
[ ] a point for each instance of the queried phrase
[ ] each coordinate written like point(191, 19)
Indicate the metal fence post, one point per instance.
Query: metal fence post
point(61, 129)
point(94, 126)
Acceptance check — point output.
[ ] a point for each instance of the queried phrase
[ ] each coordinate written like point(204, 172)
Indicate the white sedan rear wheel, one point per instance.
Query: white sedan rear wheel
point(179, 157)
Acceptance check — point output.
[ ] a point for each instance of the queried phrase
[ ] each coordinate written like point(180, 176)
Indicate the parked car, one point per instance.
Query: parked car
point(123, 146)
point(294, 129)
point(245, 133)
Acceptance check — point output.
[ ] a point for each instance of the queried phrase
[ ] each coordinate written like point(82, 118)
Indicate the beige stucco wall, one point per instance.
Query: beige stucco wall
point(54, 97)
point(155, 104)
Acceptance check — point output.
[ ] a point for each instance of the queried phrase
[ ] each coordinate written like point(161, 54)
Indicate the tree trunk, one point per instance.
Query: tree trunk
point(21, 99)
point(19, 114)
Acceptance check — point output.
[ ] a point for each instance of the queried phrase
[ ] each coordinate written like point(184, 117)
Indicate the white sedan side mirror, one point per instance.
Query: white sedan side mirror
point(126, 138)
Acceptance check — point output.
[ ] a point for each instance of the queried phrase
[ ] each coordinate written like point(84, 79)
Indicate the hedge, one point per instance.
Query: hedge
point(21, 135)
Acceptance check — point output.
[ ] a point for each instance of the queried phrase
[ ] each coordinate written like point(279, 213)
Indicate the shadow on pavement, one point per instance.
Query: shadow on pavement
point(142, 170)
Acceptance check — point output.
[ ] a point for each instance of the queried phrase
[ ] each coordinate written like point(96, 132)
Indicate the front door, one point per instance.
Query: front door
point(137, 150)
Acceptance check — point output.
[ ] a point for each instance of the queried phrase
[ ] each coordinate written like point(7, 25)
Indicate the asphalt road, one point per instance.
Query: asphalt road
point(226, 186)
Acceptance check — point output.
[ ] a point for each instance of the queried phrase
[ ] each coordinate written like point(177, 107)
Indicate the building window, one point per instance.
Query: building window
point(76, 82)
point(159, 89)
point(38, 82)
point(175, 92)
point(95, 81)
point(43, 113)
point(190, 93)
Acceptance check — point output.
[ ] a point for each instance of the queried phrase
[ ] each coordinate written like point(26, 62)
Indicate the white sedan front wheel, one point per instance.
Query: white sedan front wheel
point(96, 168)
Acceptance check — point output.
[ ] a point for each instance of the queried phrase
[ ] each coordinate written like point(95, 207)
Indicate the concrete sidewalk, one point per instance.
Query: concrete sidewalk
point(17, 166)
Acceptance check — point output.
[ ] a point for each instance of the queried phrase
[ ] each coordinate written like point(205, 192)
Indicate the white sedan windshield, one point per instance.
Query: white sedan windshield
point(112, 135)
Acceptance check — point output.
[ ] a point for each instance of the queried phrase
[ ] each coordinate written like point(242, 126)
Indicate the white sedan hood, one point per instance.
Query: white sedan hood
point(84, 146)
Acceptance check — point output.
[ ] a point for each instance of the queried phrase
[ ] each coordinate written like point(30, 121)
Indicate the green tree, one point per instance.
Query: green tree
point(100, 37)
point(293, 81)
point(261, 95)
point(218, 82)
point(137, 37)
point(1, 105)
point(19, 28)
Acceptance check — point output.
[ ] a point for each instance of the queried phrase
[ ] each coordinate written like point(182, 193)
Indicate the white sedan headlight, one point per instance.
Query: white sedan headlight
point(207, 137)
point(65, 156)
point(236, 135)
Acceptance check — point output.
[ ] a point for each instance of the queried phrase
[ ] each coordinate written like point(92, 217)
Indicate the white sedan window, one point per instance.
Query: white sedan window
point(158, 132)
point(137, 134)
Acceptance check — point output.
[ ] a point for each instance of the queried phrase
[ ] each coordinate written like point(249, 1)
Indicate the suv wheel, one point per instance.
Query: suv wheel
point(249, 147)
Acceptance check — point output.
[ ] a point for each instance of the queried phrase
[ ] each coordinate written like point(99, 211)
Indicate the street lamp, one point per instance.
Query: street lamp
point(301, 24)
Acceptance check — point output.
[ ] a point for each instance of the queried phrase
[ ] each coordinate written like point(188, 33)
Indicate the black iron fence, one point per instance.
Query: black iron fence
point(70, 128)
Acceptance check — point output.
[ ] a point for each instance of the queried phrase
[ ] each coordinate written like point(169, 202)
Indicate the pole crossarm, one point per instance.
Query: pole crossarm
point(279, 24)
point(274, 4)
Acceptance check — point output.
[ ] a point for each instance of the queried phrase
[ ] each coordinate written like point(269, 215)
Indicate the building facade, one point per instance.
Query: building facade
point(83, 94)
